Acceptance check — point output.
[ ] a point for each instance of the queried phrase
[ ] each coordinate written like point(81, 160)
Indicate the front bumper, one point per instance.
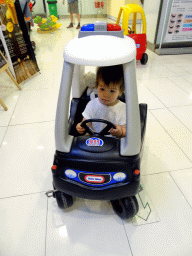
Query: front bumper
point(112, 192)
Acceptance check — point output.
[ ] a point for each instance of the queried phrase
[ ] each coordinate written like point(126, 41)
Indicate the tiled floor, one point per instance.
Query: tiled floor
point(31, 224)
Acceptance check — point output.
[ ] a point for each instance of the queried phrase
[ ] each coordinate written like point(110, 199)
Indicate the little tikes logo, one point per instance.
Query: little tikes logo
point(94, 179)
point(94, 142)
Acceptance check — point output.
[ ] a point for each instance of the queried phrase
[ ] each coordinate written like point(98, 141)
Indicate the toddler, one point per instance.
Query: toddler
point(110, 85)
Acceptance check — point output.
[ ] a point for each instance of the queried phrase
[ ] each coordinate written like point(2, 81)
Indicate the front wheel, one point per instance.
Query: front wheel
point(64, 201)
point(126, 208)
point(144, 59)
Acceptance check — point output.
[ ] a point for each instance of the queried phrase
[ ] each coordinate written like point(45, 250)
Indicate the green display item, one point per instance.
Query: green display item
point(52, 4)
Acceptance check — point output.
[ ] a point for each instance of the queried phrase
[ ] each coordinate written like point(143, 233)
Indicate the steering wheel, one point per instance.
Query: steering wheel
point(130, 31)
point(103, 132)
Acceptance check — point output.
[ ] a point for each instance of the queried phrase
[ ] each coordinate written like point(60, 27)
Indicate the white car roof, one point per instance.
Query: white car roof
point(100, 50)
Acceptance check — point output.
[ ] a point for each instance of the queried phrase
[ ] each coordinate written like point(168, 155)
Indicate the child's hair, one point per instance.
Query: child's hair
point(110, 74)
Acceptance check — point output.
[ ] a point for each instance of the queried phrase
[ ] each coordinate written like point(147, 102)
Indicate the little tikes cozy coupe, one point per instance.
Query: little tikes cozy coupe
point(140, 38)
point(96, 166)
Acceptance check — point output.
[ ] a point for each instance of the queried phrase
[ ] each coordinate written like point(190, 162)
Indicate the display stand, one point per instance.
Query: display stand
point(16, 41)
point(4, 66)
point(99, 5)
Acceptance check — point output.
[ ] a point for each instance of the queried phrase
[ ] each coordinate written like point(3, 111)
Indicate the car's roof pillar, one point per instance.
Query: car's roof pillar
point(62, 138)
point(131, 144)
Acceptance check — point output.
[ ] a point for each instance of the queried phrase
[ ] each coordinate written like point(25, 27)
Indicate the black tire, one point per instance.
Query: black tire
point(64, 201)
point(126, 208)
point(144, 59)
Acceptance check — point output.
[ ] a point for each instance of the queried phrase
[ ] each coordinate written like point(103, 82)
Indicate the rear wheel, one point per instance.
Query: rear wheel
point(144, 59)
point(64, 201)
point(126, 208)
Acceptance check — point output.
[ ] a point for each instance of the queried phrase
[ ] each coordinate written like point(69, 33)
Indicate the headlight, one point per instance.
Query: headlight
point(120, 176)
point(70, 174)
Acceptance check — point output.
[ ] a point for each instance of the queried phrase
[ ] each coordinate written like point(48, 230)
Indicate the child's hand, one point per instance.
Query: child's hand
point(80, 129)
point(118, 132)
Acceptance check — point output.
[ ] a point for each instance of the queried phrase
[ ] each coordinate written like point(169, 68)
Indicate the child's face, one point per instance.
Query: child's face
point(108, 95)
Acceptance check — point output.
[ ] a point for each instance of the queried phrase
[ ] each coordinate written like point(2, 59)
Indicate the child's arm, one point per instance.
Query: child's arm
point(80, 129)
point(119, 132)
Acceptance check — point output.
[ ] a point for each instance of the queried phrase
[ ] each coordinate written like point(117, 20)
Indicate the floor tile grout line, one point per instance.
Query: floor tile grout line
point(127, 237)
point(182, 76)
point(3, 126)
point(169, 109)
point(40, 122)
point(180, 190)
point(161, 77)
point(46, 226)
point(158, 77)
point(154, 108)
point(159, 173)
point(180, 106)
point(168, 172)
point(37, 89)
point(20, 91)
point(157, 96)
point(174, 71)
point(9, 123)
point(14, 125)
point(148, 194)
point(171, 137)
point(4, 136)
point(185, 169)
point(169, 69)
point(15, 107)
point(3, 198)
point(154, 94)
point(186, 79)
point(150, 174)
point(156, 173)
point(179, 86)
point(180, 120)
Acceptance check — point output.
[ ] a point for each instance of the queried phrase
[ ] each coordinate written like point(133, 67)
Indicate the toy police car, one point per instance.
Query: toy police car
point(96, 166)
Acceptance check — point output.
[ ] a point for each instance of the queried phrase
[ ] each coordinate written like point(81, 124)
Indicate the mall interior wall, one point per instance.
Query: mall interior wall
point(86, 7)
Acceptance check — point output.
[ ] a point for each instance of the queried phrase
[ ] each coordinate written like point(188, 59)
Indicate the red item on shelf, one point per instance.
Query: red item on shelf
point(97, 4)
point(102, 4)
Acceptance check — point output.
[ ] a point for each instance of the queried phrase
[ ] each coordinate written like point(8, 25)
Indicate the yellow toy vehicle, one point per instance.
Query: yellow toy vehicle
point(140, 39)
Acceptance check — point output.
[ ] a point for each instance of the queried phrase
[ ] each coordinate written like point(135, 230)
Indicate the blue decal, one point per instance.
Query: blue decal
point(137, 45)
point(94, 142)
point(97, 179)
